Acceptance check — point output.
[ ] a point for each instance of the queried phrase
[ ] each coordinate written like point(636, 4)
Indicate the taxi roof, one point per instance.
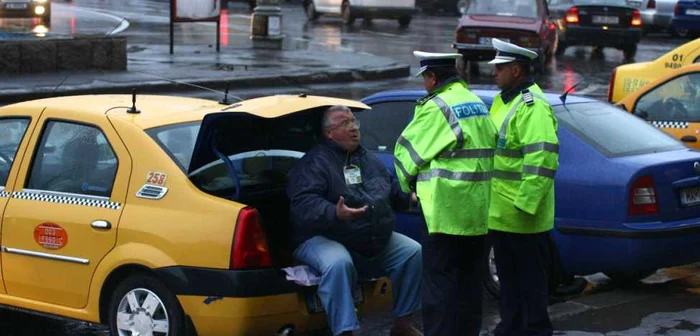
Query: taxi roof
point(158, 110)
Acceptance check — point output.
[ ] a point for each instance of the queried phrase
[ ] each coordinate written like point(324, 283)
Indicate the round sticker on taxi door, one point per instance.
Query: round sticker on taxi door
point(50, 236)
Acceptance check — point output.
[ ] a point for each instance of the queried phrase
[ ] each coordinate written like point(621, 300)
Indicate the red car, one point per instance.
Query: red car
point(523, 22)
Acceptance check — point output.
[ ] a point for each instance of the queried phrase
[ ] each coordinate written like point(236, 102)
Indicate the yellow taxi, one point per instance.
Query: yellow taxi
point(163, 217)
point(629, 78)
point(671, 103)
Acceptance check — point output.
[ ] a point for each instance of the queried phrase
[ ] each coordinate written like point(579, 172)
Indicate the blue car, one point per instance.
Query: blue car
point(627, 194)
point(686, 18)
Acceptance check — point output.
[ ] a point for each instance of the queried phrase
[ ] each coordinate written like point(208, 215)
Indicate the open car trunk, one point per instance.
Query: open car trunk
point(246, 155)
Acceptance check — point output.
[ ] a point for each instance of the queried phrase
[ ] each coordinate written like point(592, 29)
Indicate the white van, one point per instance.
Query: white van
point(401, 10)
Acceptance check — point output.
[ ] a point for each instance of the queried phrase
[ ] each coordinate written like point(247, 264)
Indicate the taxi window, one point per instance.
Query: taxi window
point(382, 125)
point(675, 100)
point(12, 131)
point(612, 131)
point(178, 141)
point(73, 158)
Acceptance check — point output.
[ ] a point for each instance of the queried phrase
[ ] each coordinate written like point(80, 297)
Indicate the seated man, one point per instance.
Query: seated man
point(341, 205)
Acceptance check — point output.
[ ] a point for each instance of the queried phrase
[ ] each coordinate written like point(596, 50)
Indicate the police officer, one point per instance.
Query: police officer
point(446, 155)
point(522, 202)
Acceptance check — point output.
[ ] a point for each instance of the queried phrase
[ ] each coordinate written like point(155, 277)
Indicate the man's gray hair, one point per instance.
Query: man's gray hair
point(327, 122)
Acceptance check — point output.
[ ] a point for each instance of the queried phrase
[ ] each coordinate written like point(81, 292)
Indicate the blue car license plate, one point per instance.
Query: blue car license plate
point(690, 196)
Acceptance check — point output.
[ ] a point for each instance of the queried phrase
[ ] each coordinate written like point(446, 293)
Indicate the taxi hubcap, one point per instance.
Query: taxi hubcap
point(142, 313)
point(493, 272)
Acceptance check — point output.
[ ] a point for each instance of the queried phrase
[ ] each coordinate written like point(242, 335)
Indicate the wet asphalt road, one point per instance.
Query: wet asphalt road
point(613, 311)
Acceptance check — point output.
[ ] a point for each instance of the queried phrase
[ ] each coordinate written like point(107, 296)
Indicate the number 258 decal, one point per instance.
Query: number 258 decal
point(156, 178)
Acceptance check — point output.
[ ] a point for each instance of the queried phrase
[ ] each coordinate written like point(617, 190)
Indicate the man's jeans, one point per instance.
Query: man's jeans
point(401, 259)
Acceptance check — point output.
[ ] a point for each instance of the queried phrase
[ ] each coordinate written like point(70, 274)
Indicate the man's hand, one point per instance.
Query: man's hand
point(414, 197)
point(343, 212)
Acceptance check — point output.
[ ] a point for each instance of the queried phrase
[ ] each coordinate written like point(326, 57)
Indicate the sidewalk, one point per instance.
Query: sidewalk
point(151, 69)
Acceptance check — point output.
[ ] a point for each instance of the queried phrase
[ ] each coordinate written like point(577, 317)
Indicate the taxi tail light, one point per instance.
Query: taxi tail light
point(611, 86)
point(642, 199)
point(250, 248)
point(677, 10)
point(651, 4)
point(636, 19)
point(572, 15)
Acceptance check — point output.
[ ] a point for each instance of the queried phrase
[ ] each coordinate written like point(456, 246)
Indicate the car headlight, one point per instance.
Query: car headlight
point(39, 10)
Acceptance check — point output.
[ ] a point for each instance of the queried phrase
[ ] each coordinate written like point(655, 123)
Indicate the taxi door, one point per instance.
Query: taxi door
point(16, 127)
point(673, 106)
point(63, 215)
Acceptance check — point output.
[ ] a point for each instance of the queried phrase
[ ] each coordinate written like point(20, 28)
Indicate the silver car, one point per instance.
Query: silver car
point(656, 14)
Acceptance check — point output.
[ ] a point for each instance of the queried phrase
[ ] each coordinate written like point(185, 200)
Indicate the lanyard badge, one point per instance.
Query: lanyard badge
point(352, 175)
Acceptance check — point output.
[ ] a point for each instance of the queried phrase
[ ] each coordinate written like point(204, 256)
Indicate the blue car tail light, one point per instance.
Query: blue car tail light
point(642, 199)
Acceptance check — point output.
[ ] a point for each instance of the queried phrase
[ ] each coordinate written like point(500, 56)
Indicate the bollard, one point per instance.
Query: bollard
point(266, 25)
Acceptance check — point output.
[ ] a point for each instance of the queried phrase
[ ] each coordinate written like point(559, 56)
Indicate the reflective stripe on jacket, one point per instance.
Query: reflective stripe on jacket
point(527, 158)
point(446, 155)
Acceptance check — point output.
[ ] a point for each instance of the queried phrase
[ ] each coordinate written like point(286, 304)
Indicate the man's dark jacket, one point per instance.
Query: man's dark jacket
point(317, 182)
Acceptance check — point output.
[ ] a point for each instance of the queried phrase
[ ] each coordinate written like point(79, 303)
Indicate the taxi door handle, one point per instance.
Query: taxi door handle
point(101, 224)
point(689, 138)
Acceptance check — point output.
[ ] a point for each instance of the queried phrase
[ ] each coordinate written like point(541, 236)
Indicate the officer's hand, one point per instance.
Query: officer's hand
point(343, 212)
point(414, 197)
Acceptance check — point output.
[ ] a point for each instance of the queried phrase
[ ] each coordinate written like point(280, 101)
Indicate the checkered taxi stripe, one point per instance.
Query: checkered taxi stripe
point(670, 124)
point(67, 200)
point(4, 194)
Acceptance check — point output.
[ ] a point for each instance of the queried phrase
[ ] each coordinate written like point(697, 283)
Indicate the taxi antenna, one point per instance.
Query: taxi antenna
point(225, 101)
point(133, 108)
point(566, 93)
point(226, 94)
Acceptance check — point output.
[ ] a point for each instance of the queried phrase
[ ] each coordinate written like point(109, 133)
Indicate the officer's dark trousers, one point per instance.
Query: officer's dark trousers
point(523, 263)
point(452, 270)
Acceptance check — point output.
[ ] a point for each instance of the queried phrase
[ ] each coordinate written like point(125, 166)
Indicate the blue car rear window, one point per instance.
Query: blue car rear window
point(612, 131)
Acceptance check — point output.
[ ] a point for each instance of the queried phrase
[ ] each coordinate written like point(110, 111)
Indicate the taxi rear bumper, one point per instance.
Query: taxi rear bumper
point(225, 283)
point(238, 302)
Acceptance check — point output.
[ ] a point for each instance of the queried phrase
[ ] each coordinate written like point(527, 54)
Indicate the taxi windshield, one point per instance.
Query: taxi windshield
point(522, 8)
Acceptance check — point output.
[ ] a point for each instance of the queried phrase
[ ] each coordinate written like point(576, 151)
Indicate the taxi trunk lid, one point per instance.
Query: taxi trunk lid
point(257, 123)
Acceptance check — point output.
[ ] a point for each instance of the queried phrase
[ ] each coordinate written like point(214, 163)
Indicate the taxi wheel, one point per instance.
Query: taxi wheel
point(141, 305)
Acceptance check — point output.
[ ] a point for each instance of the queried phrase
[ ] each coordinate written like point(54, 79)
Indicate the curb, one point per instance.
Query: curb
point(254, 81)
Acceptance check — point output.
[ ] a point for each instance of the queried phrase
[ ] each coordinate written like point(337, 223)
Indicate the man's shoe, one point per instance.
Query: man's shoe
point(412, 331)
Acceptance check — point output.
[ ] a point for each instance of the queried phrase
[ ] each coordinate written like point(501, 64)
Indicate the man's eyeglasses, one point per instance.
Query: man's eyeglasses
point(347, 124)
